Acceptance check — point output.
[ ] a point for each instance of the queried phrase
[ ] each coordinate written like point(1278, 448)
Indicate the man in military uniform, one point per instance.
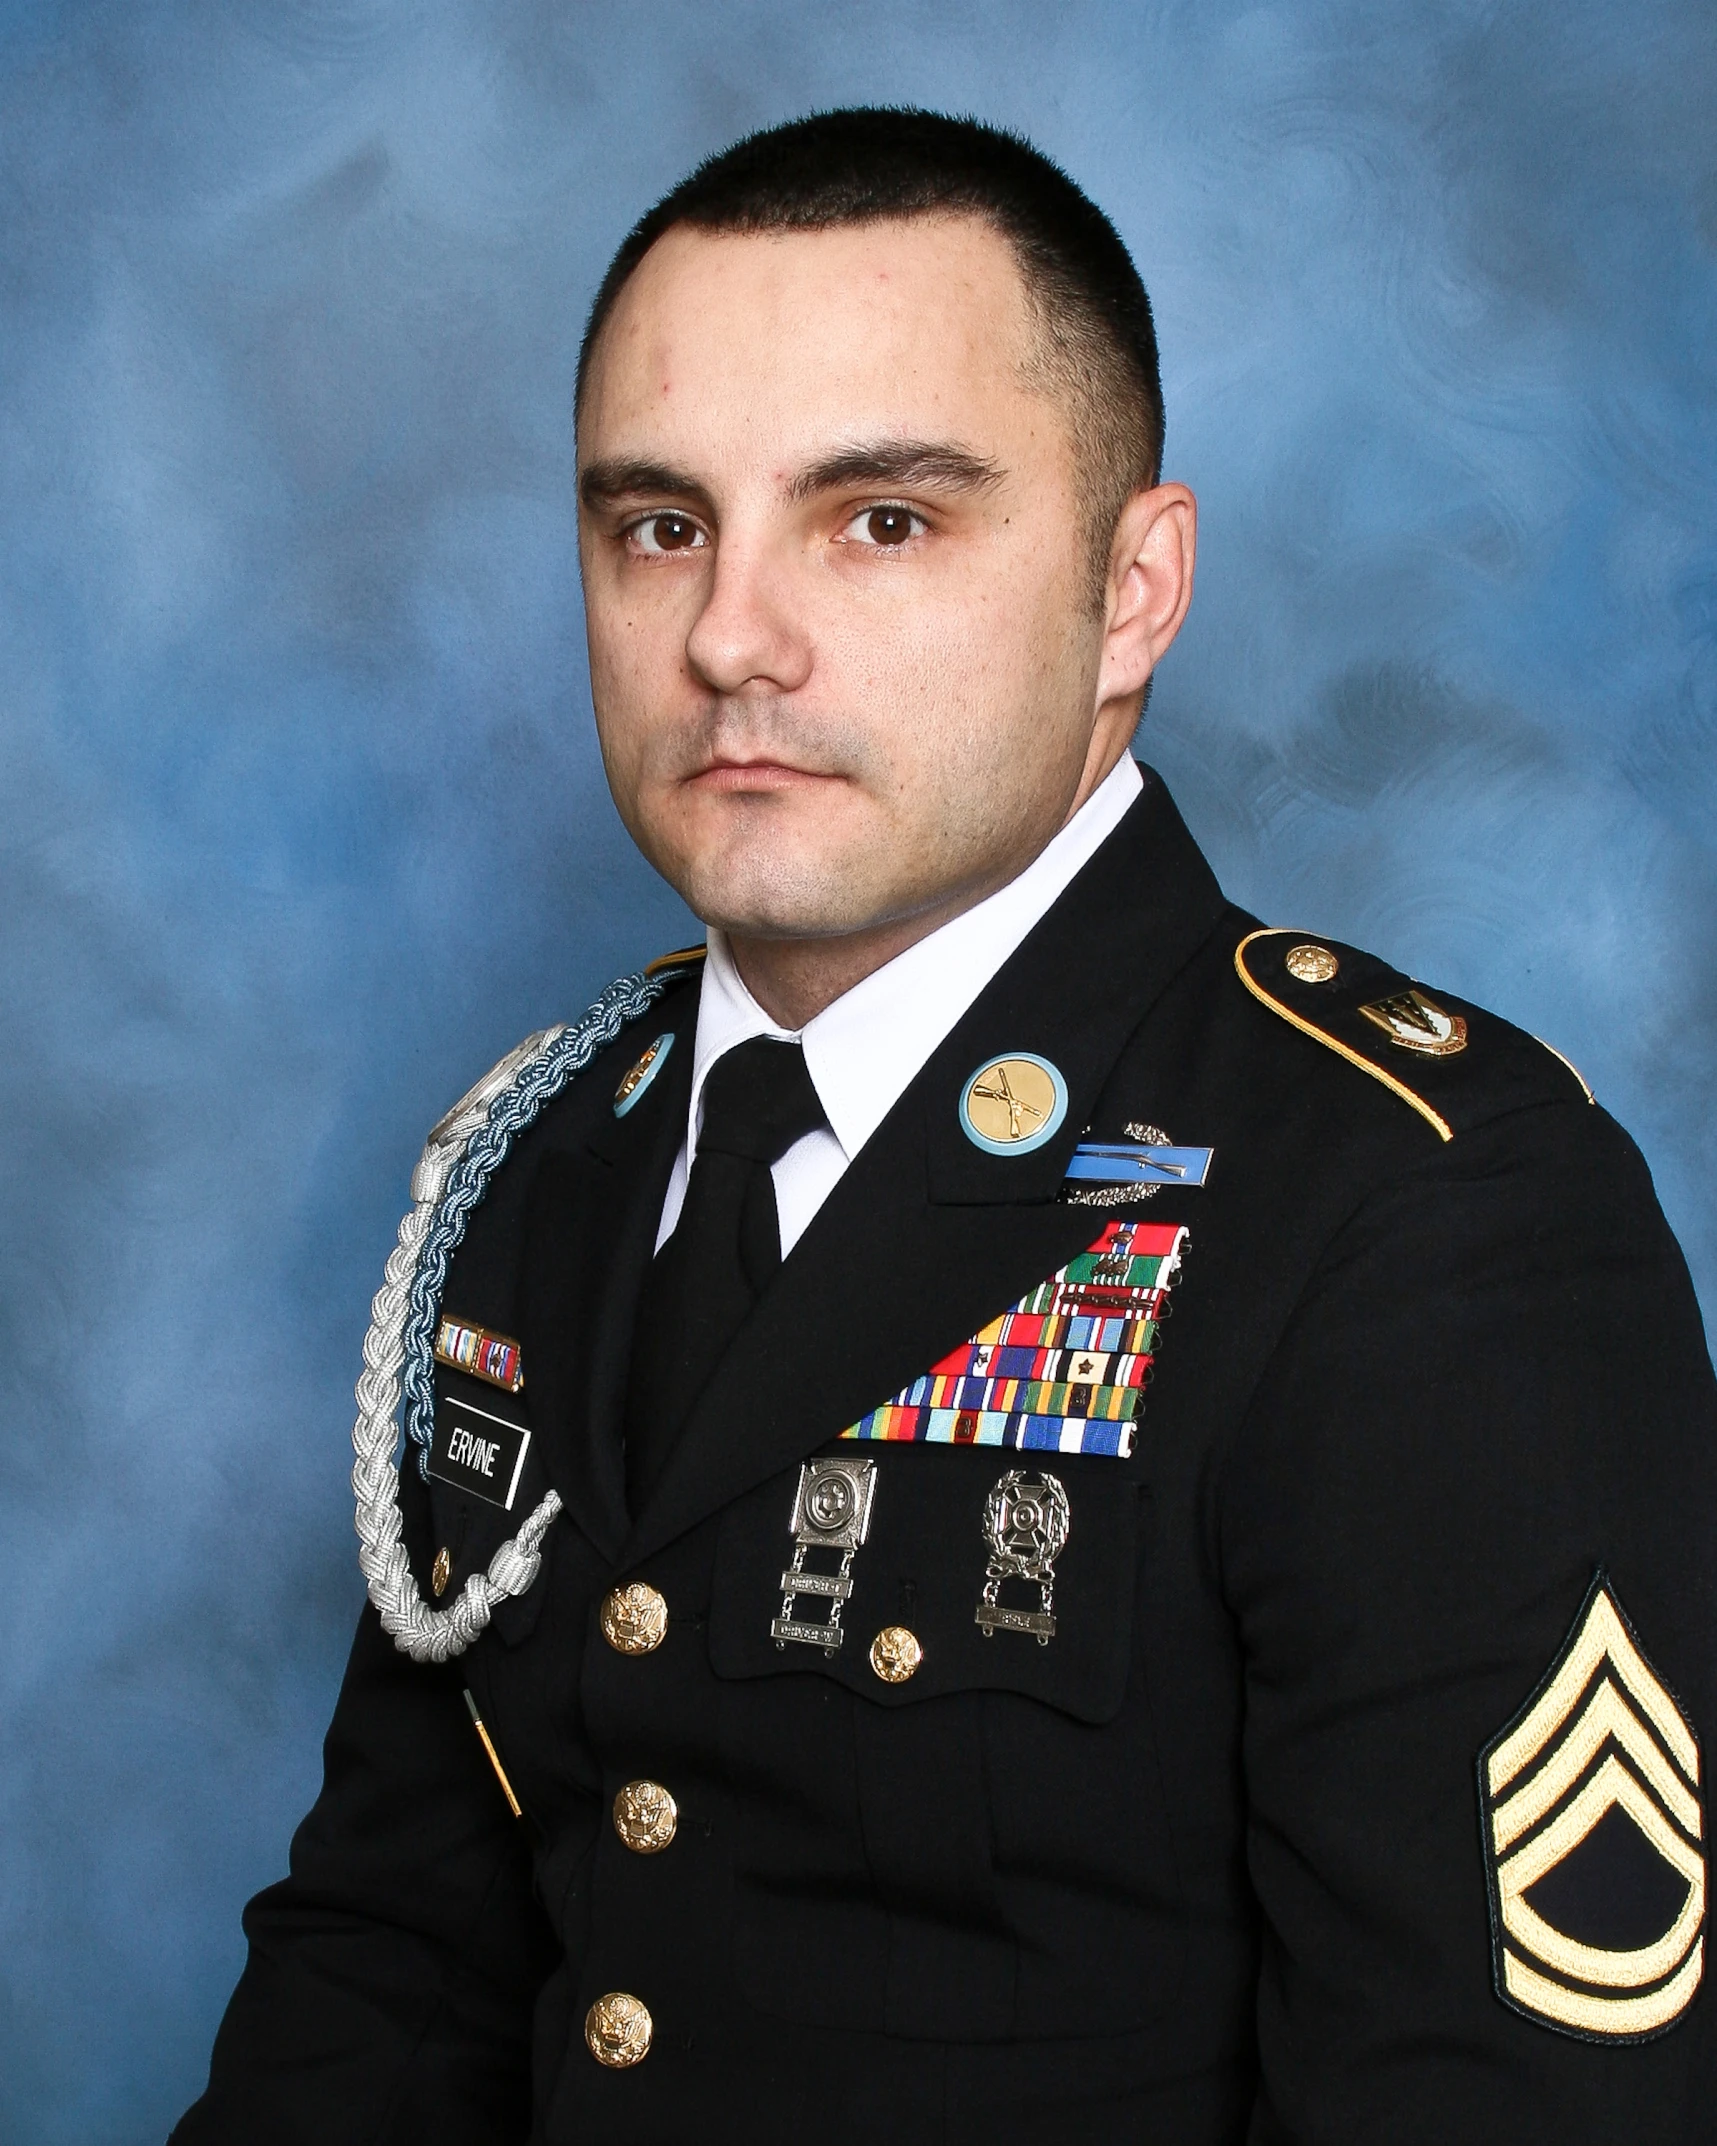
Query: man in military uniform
point(815, 1690)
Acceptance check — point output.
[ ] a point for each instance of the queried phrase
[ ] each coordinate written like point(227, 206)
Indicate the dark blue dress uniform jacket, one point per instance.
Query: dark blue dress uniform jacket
point(1209, 1866)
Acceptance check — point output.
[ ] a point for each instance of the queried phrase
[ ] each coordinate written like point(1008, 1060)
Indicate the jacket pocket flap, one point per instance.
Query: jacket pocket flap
point(921, 1571)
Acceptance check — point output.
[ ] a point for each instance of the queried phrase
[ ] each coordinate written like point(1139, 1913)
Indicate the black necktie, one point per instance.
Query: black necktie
point(757, 1101)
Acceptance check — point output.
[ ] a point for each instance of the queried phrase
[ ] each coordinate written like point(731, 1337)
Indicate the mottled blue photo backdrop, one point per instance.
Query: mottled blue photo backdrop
point(301, 820)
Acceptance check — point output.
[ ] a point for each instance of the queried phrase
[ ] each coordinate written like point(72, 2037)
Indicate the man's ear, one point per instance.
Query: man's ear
point(1148, 589)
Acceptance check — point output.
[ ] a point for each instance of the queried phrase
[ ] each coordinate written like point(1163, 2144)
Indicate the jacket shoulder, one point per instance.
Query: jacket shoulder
point(1455, 1065)
point(656, 987)
point(683, 961)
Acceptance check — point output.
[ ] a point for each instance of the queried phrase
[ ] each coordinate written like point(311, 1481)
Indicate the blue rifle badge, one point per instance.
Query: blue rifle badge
point(1133, 1168)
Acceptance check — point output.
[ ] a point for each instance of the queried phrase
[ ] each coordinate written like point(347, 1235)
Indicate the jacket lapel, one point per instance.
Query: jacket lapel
point(926, 1237)
point(590, 1232)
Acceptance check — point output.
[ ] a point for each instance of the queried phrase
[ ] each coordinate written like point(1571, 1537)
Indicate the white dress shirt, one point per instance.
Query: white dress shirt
point(863, 1050)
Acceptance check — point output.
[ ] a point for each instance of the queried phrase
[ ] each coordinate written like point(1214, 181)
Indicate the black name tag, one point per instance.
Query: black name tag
point(478, 1452)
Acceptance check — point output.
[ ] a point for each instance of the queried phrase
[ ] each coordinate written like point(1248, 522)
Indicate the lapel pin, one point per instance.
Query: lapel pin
point(1014, 1104)
point(639, 1077)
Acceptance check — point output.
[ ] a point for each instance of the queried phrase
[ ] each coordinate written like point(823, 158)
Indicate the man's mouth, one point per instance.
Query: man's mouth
point(734, 777)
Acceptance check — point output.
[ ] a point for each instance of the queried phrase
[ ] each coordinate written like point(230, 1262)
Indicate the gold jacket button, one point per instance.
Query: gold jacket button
point(634, 1619)
point(617, 2030)
point(441, 1572)
point(895, 1653)
point(646, 1817)
point(1310, 964)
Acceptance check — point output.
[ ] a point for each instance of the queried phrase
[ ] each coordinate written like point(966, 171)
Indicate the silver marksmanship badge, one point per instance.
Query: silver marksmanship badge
point(831, 1518)
point(1026, 1523)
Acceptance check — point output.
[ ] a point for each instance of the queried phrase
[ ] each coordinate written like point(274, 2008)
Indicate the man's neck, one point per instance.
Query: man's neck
point(794, 979)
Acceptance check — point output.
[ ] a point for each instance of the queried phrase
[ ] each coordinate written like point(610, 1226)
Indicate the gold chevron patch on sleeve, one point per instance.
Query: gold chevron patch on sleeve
point(1594, 1832)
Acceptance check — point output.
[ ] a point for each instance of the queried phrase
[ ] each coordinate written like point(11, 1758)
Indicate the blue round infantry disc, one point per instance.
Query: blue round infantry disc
point(1013, 1104)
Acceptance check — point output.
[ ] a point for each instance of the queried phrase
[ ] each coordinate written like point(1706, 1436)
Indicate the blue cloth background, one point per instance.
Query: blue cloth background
point(302, 819)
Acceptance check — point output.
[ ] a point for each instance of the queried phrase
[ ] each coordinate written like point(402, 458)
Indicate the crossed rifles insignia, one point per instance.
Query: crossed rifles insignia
point(996, 1089)
point(1594, 1841)
point(1013, 1104)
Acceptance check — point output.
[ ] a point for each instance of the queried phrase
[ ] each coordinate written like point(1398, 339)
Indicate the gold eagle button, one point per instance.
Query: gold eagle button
point(1310, 964)
point(441, 1572)
point(895, 1654)
point(646, 1817)
point(634, 1618)
point(617, 2030)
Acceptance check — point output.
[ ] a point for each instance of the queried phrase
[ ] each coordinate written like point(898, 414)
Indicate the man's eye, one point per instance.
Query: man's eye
point(885, 526)
point(665, 532)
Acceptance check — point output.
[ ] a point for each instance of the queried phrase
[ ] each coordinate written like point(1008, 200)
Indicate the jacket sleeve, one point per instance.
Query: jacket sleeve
point(391, 1977)
point(1495, 1388)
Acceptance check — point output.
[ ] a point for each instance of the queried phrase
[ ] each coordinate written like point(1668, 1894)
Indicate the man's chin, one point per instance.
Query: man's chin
point(783, 905)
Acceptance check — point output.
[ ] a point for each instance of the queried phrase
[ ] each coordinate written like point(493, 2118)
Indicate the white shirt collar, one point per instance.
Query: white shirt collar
point(864, 1050)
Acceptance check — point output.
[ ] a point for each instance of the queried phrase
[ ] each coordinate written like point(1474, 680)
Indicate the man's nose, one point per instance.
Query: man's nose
point(751, 631)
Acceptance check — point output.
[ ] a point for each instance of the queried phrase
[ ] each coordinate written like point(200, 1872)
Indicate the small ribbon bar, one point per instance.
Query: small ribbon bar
point(473, 1349)
point(1125, 1162)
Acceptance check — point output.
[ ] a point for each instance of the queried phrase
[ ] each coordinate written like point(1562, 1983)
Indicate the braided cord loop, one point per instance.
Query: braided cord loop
point(461, 1155)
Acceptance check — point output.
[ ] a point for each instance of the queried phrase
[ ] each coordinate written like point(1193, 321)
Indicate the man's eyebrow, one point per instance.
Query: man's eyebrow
point(604, 483)
point(906, 463)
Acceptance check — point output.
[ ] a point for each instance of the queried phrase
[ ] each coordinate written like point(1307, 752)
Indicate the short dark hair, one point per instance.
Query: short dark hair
point(872, 163)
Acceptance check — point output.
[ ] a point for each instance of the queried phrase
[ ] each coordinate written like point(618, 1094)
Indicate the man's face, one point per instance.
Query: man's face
point(842, 649)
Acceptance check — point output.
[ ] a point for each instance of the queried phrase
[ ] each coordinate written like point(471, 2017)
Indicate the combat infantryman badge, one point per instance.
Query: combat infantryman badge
point(1026, 1523)
point(1594, 1842)
point(1109, 1173)
point(831, 1512)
